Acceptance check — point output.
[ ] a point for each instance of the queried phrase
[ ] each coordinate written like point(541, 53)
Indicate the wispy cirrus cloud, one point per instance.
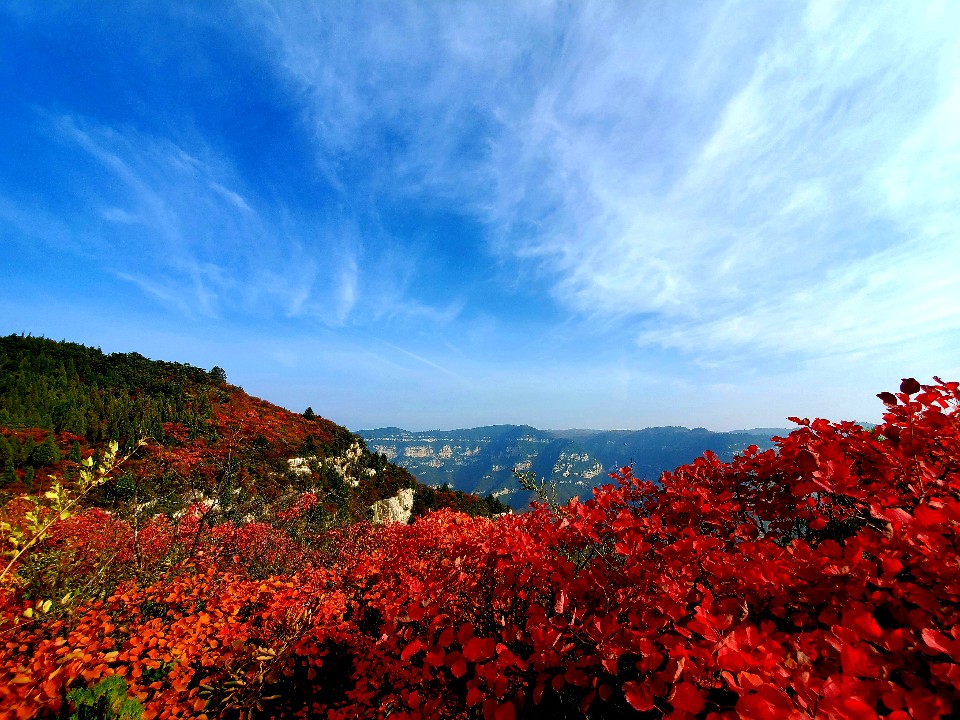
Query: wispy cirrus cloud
point(769, 226)
point(174, 223)
point(725, 180)
point(571, 209)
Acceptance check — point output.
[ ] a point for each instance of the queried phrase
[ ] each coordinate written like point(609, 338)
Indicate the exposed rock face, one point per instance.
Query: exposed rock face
point(300, 465)
point(481, 460)
point(388, 451)
point(346, 465)
point(395, 509)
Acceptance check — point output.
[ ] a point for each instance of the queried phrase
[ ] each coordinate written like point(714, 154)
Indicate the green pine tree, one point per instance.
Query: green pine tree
point(26, 450)
point(7, 455)
point(46, 453)
point(17, 449)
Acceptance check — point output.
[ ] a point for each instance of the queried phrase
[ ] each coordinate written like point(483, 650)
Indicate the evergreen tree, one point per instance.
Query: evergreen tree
point(28, 477)
point(75, 455)
point(46, 453)
point(26, 449)
point(9, 476)
point(7, 455)
point(309, 414)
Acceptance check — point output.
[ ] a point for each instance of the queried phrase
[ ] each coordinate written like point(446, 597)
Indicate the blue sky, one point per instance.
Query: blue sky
point(439, 215)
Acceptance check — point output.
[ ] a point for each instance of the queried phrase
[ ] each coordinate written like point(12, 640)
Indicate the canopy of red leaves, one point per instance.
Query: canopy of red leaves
point(821, 580)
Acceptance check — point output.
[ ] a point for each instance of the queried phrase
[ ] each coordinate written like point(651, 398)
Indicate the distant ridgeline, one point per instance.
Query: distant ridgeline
point(482, 460)
point(207, 440)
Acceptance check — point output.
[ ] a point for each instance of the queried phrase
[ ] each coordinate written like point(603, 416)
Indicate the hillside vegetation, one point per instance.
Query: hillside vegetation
point(206, 439)
point(817, 580)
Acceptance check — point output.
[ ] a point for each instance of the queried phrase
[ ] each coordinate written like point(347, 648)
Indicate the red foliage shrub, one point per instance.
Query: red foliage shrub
point(821, 580)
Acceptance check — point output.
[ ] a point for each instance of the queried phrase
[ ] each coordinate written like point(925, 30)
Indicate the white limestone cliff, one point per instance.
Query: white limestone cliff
point(394, 509)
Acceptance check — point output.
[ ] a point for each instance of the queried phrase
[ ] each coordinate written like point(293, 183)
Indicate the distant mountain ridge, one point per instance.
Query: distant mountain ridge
point(481, 460)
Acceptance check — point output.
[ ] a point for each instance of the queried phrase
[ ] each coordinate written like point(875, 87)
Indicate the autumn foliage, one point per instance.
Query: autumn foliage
point(820, 580)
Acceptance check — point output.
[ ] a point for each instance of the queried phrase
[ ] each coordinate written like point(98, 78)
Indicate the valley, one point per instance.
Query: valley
point(482, 460)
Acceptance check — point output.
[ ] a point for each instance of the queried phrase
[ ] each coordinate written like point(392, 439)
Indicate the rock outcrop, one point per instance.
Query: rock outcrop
point(394, 509)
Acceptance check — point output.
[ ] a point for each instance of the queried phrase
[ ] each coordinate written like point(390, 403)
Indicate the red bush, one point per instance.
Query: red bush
point(821, 580)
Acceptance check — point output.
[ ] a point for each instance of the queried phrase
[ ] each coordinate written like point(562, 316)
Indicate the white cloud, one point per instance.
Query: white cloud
point(772, 237)
point(179, 229)
point(745, 185)
point(762, 188)
point(236, 199)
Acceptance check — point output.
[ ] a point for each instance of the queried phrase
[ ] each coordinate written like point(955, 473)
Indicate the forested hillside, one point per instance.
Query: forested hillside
point(61, 402)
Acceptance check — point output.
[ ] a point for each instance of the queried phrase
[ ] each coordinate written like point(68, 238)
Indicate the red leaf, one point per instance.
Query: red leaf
point(464, 633)
point(864, 624)
point(855, 661)
point(410, 650)
point(687, 697)
point(446, 637)
point(806, 461)
point(888, 398)
point(477, 649)
point(909, 386)
point(936, 640)
point(456, 663)
point(757, 706)
point(505, 711)
point(474, 697)
point(639, 696)
point(436, 657)
point(921, 703)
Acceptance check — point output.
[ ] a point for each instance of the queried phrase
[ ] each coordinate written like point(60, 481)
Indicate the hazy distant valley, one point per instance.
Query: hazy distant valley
point(481, 460)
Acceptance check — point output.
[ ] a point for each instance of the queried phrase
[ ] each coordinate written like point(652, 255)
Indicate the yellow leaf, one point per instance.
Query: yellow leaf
point(28, 613)
point(46, 605)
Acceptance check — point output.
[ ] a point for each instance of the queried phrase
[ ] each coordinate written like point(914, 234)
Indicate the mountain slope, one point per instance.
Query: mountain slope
point(482, 460)
point(206, 439)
